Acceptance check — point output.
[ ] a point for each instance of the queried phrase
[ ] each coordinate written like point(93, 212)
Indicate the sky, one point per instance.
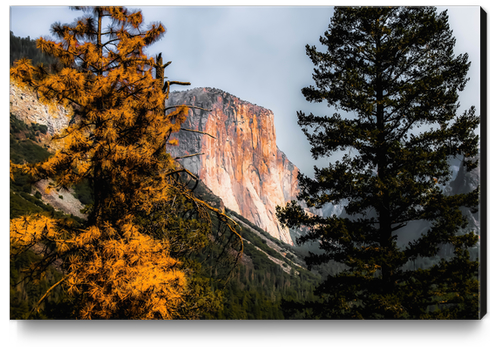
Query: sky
point(256, 53)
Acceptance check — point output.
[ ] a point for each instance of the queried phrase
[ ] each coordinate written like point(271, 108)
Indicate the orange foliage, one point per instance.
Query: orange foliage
point(128, 276)
point(118, 138)
point(117, 142)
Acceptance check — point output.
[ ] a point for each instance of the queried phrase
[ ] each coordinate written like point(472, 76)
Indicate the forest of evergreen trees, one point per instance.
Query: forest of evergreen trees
point(151, 247)
point(25, 47)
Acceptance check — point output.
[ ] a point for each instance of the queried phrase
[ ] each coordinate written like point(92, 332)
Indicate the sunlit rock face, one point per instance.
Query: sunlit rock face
point(25, 105)
point(242, 164)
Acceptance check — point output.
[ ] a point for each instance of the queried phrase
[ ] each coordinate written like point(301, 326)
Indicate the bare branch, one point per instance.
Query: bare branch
point(46, 294)
point(183, 170)
point(180, 83)
point(219, 213)
point(197, 131)
point(187, 156)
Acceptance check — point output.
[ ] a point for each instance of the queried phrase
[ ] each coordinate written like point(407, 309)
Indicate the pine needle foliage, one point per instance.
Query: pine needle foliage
point(394, 72)
point(117, 264)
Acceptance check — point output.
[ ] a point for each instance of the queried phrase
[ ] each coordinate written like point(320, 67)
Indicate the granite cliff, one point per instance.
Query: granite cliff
point(242, 163)
point(25, 105)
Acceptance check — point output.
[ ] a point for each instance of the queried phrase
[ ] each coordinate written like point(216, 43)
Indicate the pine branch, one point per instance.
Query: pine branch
point(36, 307)
point(183, 170)
point(180, 83)
point(221, 214)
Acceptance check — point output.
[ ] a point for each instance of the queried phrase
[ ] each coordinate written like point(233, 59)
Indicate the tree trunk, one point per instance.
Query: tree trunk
point(383, 207)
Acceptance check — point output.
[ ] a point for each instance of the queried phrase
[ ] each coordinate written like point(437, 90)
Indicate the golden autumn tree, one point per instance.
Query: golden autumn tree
point(118, 264)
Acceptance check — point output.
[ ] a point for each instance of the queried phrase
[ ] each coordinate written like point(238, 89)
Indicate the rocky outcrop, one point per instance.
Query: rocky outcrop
point(25, 105)
point(61, 199)
point(465, 182)
point(242, 164)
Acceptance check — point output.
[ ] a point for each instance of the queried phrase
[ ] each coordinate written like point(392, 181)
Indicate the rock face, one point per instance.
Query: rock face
point(242, 164)
point(466, 182)
point(25, 105)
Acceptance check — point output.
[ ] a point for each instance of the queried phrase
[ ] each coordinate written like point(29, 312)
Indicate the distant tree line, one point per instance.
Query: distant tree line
point(24, 47)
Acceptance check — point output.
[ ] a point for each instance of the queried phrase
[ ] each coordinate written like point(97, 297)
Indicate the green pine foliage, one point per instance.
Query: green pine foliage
point(83, 192)
point(24, 141)
point(394, 75)
point(258, 288)
point(25, 292)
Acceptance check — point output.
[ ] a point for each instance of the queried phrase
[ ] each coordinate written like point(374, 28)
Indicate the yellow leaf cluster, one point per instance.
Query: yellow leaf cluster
point(30, 230)
point(121, 127)
point(132, 276)
point(117, 142)
point(129, 277)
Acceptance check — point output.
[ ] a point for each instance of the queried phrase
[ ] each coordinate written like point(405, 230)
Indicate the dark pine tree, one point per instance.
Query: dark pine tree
point(394, 72)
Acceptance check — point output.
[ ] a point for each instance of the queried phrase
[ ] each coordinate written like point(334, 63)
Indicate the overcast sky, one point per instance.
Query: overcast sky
point(254, 53)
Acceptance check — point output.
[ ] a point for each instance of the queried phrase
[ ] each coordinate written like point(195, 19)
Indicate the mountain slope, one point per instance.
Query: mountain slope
point(242, 164)
point(268, 271)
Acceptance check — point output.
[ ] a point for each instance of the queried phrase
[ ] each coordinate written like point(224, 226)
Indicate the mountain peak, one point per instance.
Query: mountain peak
point(212, 90)
point(242, 164)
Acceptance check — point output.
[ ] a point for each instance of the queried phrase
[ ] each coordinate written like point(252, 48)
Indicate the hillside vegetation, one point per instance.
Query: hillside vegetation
point(268, 272)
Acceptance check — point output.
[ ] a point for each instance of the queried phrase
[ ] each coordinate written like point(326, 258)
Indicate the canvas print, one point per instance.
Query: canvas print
point(246, 163)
